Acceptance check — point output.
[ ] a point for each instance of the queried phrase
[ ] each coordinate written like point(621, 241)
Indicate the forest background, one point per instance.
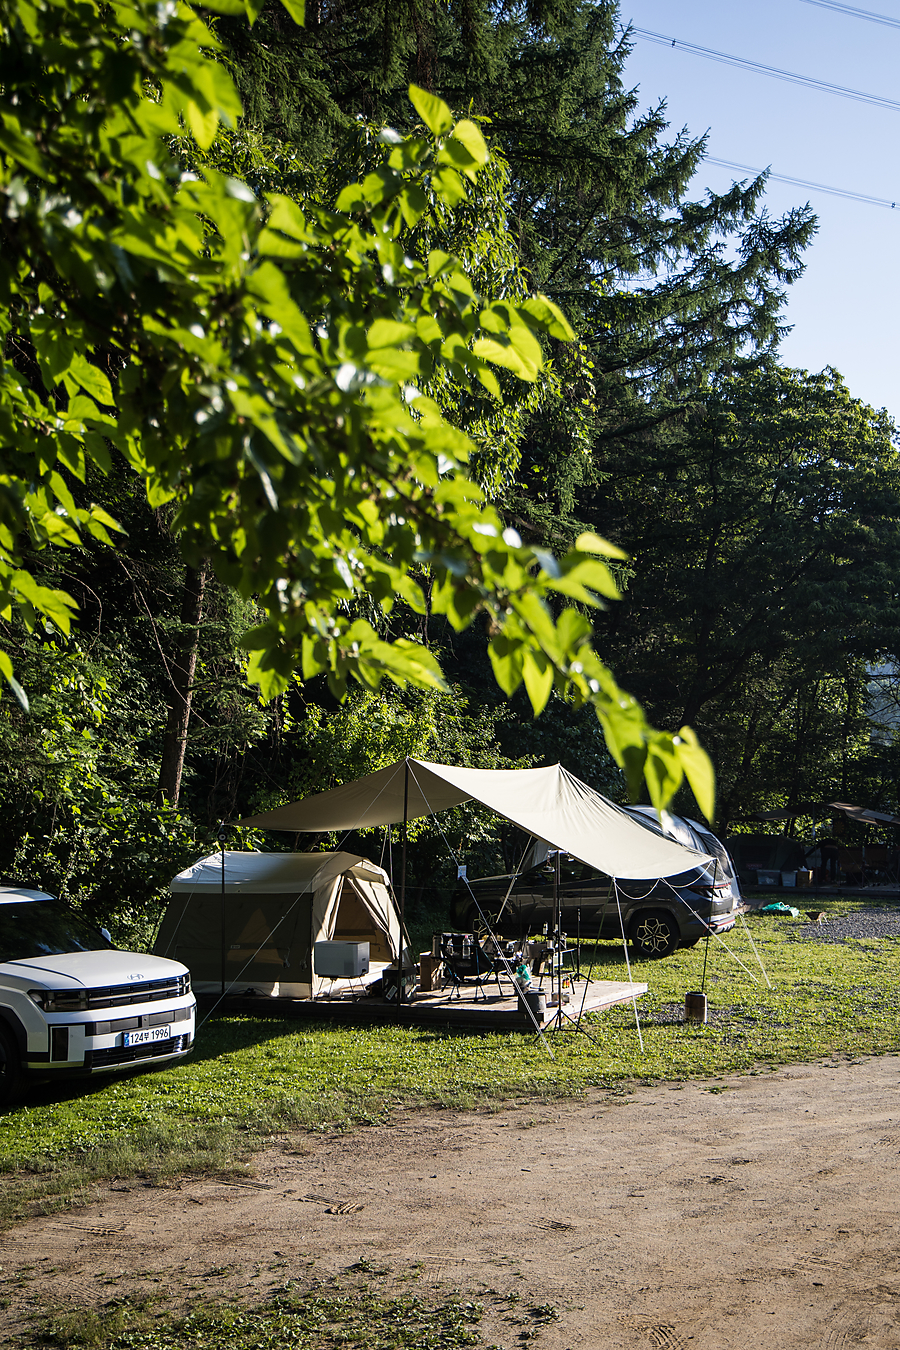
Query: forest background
point(756, 507)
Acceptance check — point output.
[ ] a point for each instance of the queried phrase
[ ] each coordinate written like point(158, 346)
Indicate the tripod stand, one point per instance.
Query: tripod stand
point(557, 953)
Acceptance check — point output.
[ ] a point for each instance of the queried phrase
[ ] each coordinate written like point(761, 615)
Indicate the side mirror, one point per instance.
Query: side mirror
point(104, 932)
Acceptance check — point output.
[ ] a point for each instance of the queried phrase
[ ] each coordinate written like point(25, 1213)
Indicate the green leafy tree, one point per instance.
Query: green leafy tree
point(77, 779)
point(259, 366)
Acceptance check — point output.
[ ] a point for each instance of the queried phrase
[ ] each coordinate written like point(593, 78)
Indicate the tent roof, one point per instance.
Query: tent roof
point(864, 813)
point(550, 803)
point(273, 873)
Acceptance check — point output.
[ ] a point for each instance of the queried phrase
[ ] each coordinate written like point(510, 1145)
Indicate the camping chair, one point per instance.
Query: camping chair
point(466, 961)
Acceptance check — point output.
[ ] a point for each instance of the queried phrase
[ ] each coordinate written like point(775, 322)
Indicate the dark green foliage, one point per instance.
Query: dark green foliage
point(759, 505)
point(765, 531)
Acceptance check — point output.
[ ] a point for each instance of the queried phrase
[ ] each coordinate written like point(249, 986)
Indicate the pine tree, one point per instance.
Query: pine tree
point(662, 288)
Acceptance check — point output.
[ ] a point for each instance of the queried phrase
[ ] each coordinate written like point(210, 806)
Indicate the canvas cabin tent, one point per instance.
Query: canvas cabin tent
point(261, 934)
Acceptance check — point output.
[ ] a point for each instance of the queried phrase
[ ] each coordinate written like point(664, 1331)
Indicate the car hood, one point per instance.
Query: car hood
point(88, 970)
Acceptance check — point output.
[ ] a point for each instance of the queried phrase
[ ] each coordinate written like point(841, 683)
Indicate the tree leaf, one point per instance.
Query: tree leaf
point(506, 660)
point(271, 681)
point(432, 110)
point(297, 11)
point(588, 542)
point(470, 135)
point(537, 673)
point(698, 770)
point(6, 669)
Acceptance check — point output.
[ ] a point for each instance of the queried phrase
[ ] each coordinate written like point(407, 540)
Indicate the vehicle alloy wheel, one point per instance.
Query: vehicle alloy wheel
point(489, 924)
point(655, 934)
point(10, 1068)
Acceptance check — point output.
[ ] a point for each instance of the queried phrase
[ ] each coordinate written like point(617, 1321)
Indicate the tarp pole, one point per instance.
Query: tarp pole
point(222, 851)
point(403, 883)
point(556, 953)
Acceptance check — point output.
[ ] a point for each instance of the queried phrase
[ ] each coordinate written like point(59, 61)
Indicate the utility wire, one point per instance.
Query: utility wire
point(757, 68)
point(804, 183)
point(855, 13)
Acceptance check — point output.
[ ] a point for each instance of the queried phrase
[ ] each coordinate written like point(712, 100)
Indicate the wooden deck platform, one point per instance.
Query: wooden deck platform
point(497, 1012)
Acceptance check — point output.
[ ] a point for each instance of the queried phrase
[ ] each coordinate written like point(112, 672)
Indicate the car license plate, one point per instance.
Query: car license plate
point(146, 1036)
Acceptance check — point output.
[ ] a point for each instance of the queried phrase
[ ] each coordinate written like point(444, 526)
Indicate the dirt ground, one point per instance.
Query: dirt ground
point(756, 1211)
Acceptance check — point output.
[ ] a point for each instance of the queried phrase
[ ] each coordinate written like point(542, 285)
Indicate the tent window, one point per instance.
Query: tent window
point(251, 922)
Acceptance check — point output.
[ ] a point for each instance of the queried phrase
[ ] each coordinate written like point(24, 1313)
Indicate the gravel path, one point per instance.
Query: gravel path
point(865, 923)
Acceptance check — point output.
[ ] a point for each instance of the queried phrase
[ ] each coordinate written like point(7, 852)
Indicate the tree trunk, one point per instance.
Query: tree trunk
point(181, 687)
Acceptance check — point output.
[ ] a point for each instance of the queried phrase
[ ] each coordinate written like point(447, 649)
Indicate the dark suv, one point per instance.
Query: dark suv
point(657, 916)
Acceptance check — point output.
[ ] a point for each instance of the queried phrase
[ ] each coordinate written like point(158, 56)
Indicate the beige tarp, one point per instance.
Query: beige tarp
point(550, 803)
point(277, 906)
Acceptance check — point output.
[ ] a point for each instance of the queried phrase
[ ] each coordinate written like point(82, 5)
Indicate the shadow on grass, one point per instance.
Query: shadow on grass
point(213, 1040)
point(227, 1032)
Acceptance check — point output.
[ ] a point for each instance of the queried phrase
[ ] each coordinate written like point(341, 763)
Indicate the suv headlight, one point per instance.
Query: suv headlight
point(59, 1000)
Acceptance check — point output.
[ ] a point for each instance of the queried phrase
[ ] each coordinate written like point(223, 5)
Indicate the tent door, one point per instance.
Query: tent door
point(353, 923)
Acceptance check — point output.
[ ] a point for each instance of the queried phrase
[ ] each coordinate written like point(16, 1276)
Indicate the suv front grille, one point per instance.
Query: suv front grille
point(121, 1054)
point(120, 995)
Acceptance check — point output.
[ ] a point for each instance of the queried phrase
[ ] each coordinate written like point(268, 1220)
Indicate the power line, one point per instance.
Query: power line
point(757, 68)
point(804, 183)
point(855, 13)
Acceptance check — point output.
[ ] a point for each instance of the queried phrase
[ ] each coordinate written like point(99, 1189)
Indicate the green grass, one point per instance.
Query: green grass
point(304, 1319)
point(250, 1079)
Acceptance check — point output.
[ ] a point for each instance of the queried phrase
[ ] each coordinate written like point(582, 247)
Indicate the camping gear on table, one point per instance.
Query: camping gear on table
point(522, 976)
point(467, 961)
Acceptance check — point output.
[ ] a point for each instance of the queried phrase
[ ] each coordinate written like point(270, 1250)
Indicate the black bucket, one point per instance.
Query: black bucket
point(536, 1000)
point(695, 1009)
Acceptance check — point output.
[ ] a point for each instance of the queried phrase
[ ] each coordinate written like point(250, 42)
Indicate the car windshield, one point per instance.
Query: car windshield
point(30, 928)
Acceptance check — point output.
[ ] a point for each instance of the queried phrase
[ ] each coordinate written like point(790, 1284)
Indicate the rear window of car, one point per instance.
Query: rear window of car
point(33, 928)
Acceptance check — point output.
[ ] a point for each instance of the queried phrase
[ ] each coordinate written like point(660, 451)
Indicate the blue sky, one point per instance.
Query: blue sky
point(845, 310)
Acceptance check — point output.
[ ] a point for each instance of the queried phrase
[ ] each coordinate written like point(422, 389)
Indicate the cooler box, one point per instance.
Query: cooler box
point(341, 960)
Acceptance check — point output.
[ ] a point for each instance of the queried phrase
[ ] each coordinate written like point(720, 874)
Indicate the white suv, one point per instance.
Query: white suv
point(70, 1003)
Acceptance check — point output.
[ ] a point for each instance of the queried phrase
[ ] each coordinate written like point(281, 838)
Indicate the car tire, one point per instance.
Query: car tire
point(10, 1068)
point(654, 934)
